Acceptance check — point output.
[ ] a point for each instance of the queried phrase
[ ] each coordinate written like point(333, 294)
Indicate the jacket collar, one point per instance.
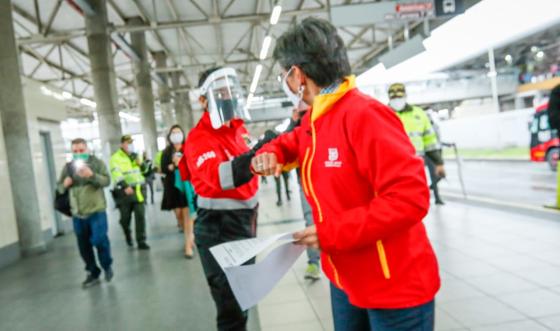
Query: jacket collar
point(207, 124)
point(324, 102)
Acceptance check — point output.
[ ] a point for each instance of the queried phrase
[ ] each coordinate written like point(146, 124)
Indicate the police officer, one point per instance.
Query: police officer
point(217, 161)
point(422, 135)
point(130, 191)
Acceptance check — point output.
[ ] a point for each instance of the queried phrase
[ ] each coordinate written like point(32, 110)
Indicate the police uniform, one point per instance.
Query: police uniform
point(126, 172)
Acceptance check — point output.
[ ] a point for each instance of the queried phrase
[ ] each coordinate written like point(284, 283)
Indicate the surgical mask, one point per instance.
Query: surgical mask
point(131, 149)
point(296, 99)
point(80, 156)
point(398, 104)
point(176, 137)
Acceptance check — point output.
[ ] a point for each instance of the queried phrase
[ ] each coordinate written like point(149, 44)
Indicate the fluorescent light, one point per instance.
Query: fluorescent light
point(249, 100)
point(275, 16)
point(67, 95)
point(45, 90)
point(88, 102)
point(266, 45)
point(256, 77)
point(540, 55)
point(509, 58)
point(128, 117)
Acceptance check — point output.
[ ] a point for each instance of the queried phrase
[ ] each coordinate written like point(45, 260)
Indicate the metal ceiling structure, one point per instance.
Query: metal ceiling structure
point(194, 34)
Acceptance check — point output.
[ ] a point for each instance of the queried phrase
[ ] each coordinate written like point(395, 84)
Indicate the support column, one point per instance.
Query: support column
point(179, 101)
point(17, 139)
point(143, 82)
point(103, 77)
point(189, 115)
point(163, 92)
point(493, 74)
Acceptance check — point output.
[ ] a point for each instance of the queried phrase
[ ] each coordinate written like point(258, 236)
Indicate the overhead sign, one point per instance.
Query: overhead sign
point(449, 7)
point(414, 10)
point(377, 12)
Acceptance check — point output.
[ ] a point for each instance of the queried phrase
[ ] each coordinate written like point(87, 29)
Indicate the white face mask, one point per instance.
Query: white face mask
point(398, 104)
point(296, 99)
point(176, 137)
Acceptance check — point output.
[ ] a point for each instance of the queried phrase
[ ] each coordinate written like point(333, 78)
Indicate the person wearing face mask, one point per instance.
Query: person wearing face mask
point(366, 187)
point(217, 161)
point(173, 198)
point(85, 177)
point(130, 190)
point(419, 128)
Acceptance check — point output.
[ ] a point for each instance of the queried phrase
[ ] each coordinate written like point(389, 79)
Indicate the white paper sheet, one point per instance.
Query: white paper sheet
point(251, 283)
point(235, 253)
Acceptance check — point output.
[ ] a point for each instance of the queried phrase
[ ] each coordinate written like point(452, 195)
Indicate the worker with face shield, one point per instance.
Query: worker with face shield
point(217, 162)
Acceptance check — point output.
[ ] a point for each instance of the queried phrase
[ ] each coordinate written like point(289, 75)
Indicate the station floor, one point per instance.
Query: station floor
point(500, 270)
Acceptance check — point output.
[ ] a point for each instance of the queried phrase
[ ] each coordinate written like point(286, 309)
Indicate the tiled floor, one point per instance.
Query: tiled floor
point(500, 271)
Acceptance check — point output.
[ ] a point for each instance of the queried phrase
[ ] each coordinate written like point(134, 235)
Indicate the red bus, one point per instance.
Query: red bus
point(545, 145)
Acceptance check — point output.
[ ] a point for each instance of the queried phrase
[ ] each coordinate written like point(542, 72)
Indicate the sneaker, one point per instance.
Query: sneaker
point(143, 246)
point(90, 281)
point(312, 272)
point(109, 274)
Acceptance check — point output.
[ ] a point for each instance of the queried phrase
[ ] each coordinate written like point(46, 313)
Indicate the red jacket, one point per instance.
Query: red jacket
point(368, 192)
point(204, 151)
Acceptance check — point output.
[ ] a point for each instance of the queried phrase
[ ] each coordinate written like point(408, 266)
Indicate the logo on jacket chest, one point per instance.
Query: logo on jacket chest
point(333, 161)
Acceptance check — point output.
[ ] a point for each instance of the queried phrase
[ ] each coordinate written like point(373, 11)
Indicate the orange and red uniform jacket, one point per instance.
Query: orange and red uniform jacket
point(369, 195)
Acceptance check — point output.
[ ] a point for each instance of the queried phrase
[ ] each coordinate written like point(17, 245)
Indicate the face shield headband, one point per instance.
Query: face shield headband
point(225, 97)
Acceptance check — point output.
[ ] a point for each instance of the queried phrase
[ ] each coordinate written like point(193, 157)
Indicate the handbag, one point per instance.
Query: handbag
point(62, 200)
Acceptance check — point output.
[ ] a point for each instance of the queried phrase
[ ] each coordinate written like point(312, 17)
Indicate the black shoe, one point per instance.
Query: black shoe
point(279, 203)
point(90, 281)
point(109, 274)
point(440, 202)
point(143, 246)
point(128, 240)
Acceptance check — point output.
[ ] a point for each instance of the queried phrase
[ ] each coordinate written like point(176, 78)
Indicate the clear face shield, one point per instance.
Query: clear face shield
point(225, 97)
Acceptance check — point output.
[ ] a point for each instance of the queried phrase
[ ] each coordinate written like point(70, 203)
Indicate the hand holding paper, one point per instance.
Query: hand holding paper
point(251, 283)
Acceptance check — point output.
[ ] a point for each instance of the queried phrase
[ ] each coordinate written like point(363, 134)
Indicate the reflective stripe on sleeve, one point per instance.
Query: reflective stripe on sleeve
point(226, 175)
point(226, 204)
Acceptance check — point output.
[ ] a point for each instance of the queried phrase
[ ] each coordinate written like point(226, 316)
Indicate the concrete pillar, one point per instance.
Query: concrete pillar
point(103, 77)
point(180, 113)
point(17, 139)
point(143, 82)
point(189, 115)
point(163, 92)
point(493, 74)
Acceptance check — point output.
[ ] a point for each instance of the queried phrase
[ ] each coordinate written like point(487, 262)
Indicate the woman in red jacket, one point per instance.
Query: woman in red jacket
point(365, 184)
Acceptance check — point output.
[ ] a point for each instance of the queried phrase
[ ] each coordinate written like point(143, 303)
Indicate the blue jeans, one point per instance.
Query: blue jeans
point(313, 255)
point(348, 317)
point(92, 232)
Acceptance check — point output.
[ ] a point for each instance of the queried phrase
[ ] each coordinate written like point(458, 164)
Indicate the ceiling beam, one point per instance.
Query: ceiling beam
point(64, 35)
point(52, 16)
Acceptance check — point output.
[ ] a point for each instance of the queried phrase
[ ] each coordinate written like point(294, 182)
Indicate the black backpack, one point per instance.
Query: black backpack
point(62, 200)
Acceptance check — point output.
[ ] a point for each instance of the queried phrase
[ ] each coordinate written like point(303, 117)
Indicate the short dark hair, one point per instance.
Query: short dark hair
point(78, 141)
point(315, 47)
point(203, 75)
point(175, 126)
